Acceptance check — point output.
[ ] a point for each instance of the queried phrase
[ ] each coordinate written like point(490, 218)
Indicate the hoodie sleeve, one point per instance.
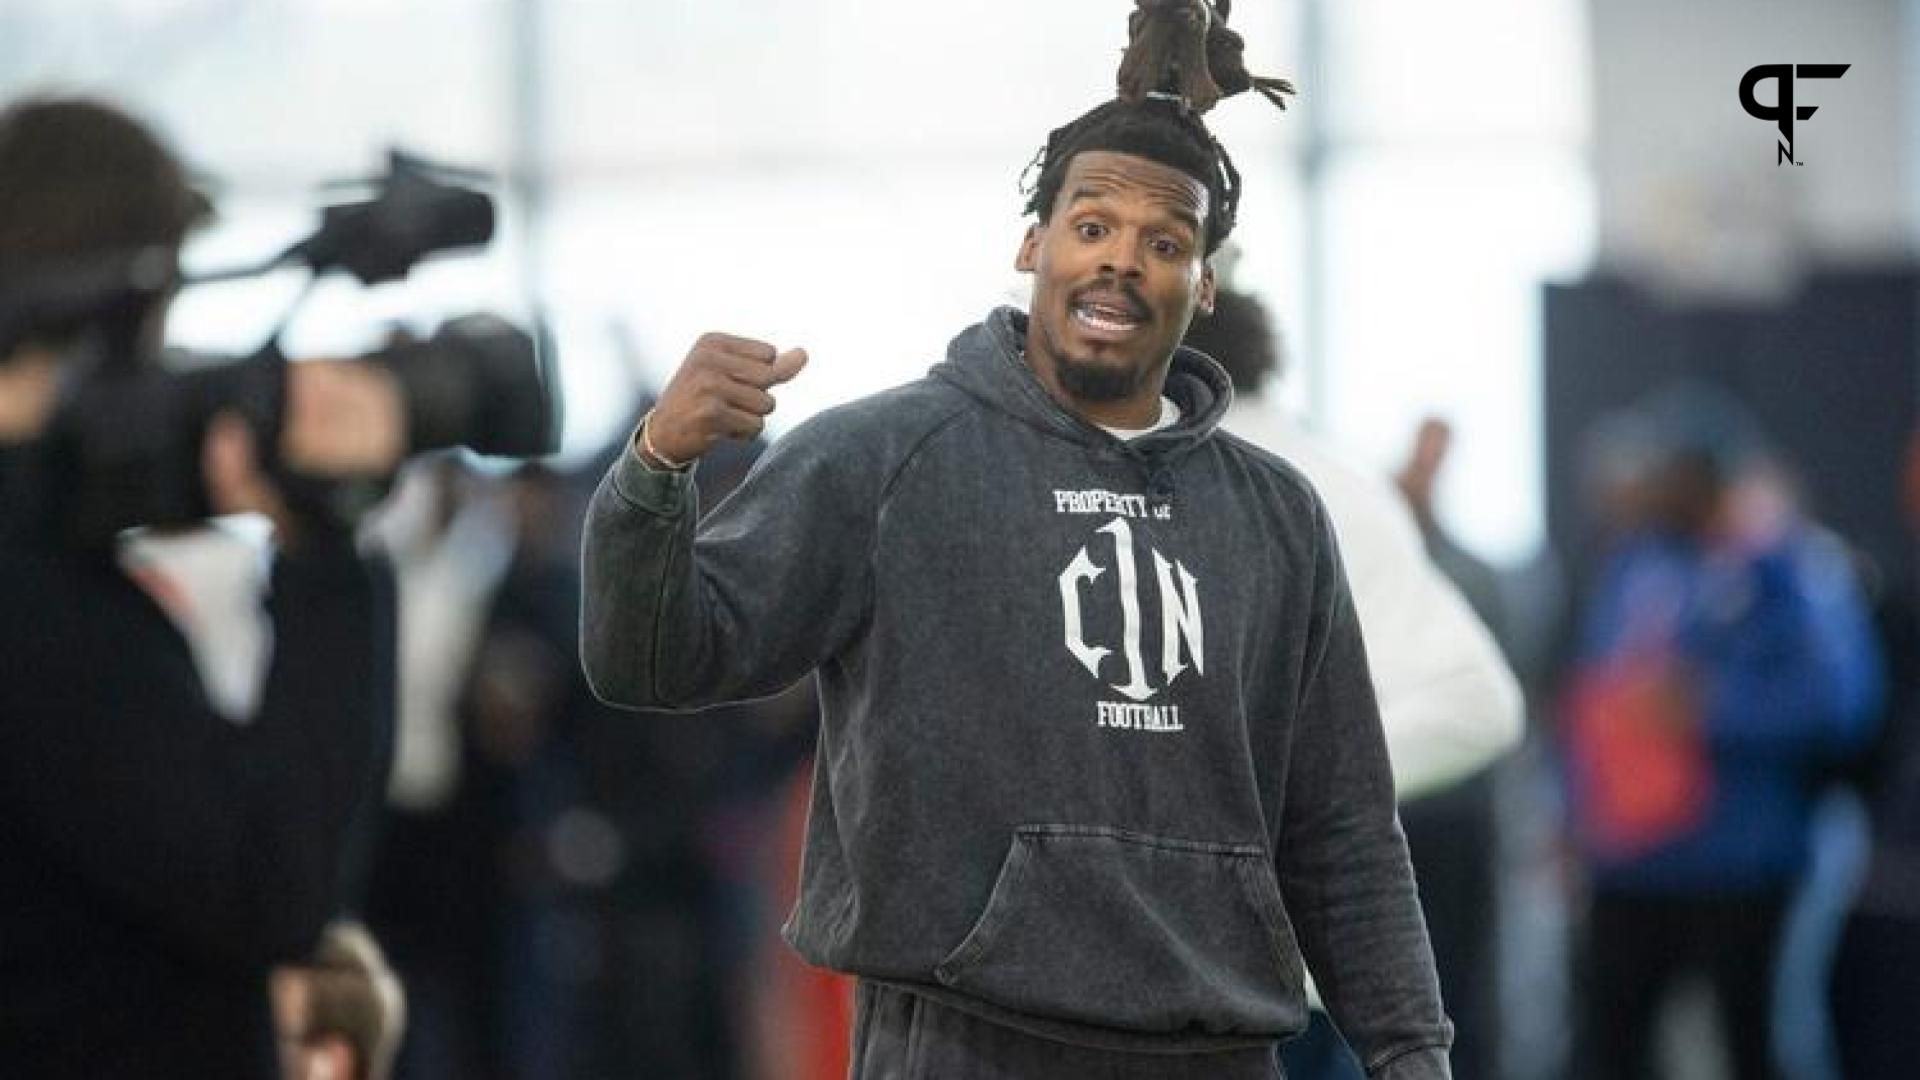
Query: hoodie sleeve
point(766, 589)
point(1342, 859)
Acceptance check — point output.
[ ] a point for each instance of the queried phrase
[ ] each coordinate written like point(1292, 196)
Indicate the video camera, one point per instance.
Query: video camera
point(123, 449)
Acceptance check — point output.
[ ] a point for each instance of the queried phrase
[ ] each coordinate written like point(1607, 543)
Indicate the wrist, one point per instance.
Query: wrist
point(650, 454)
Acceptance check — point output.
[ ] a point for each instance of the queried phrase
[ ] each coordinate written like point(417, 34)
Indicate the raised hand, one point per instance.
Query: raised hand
point(722, 390)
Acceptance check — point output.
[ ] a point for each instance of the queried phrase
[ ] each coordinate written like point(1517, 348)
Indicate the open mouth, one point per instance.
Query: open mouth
point(1107, 314)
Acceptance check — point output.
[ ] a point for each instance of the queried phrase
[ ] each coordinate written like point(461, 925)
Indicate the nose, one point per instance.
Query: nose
point(1121, 258)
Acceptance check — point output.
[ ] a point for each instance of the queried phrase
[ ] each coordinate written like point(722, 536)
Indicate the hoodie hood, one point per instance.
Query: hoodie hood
point(988, 361)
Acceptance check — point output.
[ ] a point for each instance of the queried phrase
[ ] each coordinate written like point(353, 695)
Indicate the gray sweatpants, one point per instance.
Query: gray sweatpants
point(903, 1036)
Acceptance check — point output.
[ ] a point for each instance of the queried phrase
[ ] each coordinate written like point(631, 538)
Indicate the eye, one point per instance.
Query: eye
point(1168, 247)
point(1090, 230)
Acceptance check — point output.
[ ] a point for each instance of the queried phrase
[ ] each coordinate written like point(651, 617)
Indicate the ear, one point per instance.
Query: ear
point(1203, 300)
point(1029, 254)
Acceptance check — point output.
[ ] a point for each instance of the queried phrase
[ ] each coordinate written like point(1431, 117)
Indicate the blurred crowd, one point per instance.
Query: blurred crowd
point(1665, 815)
point(615, 878)
point(563, 889)
point(1724, 736)
point(1698, 862)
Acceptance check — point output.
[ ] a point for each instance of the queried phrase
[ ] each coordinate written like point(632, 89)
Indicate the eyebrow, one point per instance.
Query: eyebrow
point(1093, 191)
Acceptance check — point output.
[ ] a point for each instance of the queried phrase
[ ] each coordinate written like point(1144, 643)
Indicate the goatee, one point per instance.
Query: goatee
point(1090, 380)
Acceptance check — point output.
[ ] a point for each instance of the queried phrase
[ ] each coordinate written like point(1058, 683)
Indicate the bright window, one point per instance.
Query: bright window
point(842, 174)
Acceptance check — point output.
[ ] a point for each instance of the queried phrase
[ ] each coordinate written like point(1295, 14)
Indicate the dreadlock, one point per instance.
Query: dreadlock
point(1154, 129)
point(1180, 61)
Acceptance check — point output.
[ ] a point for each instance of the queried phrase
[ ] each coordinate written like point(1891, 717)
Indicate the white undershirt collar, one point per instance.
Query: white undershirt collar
point(1169, 416)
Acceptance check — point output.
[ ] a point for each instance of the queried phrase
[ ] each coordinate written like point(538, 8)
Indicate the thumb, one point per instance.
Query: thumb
point(788, 364)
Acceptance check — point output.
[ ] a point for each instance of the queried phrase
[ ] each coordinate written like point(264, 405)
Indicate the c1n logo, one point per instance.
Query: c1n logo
point(1782, 111)
point(1180, 622)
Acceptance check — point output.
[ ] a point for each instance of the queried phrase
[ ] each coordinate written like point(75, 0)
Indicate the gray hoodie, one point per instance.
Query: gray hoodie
point(1099, 754)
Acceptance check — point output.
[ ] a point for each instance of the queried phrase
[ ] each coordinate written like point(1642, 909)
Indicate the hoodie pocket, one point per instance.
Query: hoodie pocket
point(1103, 926)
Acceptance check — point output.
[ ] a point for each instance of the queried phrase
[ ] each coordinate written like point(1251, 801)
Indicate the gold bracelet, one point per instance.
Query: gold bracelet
point(646, 443)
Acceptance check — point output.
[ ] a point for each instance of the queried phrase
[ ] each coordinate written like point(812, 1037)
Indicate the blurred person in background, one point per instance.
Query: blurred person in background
point(436, 894)
point(1726, 664)
point(1448, 703)
point(1082, 807)
point(1453, 833)
point(601, 873)
point(339, 1013)
point(1490, 852)
point(157, 859)
point(489, 866)
point(1418, 480)
point(1876, 976)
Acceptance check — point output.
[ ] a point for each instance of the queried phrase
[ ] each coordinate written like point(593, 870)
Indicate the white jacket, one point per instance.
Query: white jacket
point(1448, 701)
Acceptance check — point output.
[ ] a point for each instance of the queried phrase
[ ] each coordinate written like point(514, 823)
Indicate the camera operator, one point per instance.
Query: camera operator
point(157, 860)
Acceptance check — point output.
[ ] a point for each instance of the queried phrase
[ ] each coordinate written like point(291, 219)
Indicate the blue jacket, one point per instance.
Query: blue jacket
point(1780, 652)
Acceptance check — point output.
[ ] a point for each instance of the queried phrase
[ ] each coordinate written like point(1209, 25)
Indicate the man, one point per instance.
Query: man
point(1099, 759)
point(156, 859)
point(1448, 702)
point(341, 1013)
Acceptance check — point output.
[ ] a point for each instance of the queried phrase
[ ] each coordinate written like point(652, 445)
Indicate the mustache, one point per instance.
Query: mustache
point(1136, 302)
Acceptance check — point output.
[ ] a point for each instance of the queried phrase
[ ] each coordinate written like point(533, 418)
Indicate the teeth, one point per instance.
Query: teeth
point(1104, 318)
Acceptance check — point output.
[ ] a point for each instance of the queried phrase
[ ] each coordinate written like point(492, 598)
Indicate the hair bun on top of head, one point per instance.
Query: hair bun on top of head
point(1180, 61)
point(1182, 49)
